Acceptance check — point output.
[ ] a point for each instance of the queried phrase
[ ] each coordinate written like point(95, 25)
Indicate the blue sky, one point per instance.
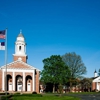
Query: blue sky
point(53, 27)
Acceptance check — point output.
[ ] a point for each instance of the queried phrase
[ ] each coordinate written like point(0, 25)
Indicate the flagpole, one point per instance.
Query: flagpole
point(6, 62)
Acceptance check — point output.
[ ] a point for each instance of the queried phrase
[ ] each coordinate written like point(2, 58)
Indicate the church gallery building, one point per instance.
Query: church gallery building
point(20, 75)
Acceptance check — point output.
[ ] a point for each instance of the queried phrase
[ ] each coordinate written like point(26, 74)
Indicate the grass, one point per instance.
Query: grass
point(51, 96)
point(45, 98)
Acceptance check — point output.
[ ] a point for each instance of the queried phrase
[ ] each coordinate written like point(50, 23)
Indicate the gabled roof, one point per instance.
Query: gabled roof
point(97, 79)
point(19, 64)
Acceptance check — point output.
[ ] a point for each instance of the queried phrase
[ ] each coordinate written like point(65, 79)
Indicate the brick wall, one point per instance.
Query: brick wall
point(24, 58)
point(37, 81)
point(93, 85)
point(9, 73)
point(18, 73)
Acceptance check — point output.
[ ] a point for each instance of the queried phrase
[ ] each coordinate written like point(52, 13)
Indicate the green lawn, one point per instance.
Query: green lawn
point(45, 98)
point(48, 96)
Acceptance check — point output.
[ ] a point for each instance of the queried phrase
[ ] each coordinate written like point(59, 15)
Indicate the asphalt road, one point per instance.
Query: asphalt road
point(87, 96)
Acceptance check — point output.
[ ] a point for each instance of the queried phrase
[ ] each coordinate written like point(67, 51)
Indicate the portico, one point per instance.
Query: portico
point(19, 81)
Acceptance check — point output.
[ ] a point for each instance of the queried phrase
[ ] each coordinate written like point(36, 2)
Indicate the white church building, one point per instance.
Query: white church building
point(96, 82)
point(20, 75)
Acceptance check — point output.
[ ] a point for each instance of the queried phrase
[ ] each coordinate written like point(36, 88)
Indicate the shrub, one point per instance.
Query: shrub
point(4, 97)
point(2, 93)
point(34, 92)
point(95, 90)
point(32, 95)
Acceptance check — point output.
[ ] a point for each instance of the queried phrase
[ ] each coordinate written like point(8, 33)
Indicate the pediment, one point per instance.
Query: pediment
point(97, 79)
point(18, 65)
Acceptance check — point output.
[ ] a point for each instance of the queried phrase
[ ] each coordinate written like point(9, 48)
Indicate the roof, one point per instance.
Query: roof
point(19, 64)
point(97, 79)
point(95, 71)
point(20, 35)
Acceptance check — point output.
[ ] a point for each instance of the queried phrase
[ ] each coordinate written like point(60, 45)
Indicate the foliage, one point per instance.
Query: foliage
point(32, 95)
point(2, 93)
point(86, 84)
point(55, 70)
point(99, 72)
point(6, 97)
point(34, 92)
point(75, 64)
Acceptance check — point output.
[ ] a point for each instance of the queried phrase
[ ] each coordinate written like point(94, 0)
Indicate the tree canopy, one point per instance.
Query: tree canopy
point(54, 70)
point(75, 64)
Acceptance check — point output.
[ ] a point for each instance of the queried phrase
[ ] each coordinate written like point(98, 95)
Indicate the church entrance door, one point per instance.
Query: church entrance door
point(28, 87)
point(10, 86)
point(19, 83)
point(19, 87)
point(9, 82)
point(28, 83)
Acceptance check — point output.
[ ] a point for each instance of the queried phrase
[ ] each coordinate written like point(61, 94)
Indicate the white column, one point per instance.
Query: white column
point(33, 80)
point(3, 80)
point(13, 81)
point(22, 48)
point(23, 81)
point(15, 48)
point(25, 49)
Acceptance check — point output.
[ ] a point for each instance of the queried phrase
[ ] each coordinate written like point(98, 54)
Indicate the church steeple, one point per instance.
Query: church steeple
point(20, 48)
point(20, 34)
point(95, 73)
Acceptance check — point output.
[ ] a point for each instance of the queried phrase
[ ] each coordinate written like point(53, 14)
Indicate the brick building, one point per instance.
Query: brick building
point(20, 75)
point(96, 82)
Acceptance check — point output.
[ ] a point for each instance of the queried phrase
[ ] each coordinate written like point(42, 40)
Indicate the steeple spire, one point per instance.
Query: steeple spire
point(20, 34)
point(95, 73)
point(20, 31)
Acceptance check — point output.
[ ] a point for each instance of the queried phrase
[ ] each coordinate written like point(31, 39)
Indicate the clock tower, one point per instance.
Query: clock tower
point(20, 48)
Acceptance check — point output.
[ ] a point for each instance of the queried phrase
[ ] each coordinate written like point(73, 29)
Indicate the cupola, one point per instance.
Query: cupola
point(20, 48)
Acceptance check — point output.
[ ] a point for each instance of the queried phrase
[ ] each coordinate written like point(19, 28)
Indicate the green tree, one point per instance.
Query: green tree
point(99, 72)
point(76, 66)
point(86, 84)
point(54, 71)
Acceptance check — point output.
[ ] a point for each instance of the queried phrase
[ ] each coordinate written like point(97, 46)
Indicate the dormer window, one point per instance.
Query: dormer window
point(19, 48)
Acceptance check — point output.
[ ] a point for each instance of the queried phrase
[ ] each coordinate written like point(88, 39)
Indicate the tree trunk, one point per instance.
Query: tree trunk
point(70, 86)
point(54, 88)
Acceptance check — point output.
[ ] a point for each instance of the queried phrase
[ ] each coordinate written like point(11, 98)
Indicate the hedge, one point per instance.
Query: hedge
point(4, 97)
point(32, 95)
